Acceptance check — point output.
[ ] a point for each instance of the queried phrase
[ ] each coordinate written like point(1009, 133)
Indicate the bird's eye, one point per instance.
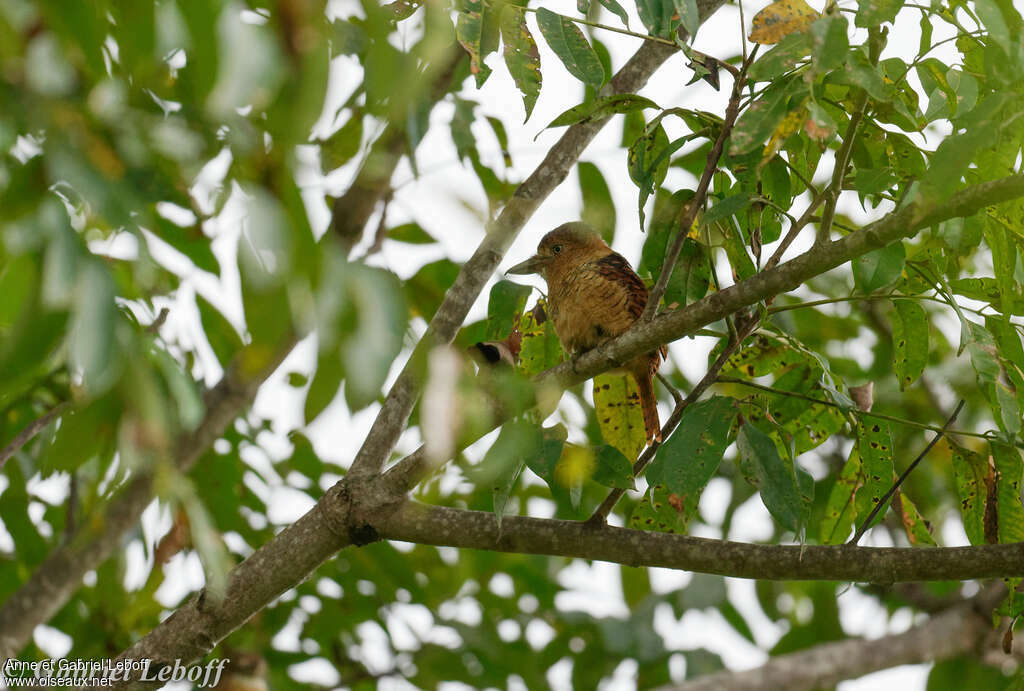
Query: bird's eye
point(556, 249)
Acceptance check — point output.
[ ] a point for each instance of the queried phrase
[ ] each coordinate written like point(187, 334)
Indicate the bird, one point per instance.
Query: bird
point(594, 296)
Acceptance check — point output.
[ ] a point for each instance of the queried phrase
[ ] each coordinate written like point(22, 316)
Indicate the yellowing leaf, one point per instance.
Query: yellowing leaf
point(780, 19)
point(617, 405)
point(576, 465)
point(789, 125)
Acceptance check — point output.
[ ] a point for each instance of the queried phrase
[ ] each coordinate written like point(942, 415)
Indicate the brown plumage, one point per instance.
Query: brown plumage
point(593, 296)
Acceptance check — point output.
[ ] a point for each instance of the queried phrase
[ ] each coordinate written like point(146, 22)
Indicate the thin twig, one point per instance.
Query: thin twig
point(600, 514)
point(843, 156)
point(154, 328)
point(31, 430)
point(689, 212)
point(899, 481)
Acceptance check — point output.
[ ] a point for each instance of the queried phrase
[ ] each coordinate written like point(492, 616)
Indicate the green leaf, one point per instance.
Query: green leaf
point(612, 469)
point(521, 55)
point(970, 469)
point(830, 46)
point(411, 233)
point(380, 317)
point(469, 30)
point(657, 16)
point(505, 304)
point(617, 407)
point(874, 446)
point(648, 163)
point(763, 116)
point(223, 337)
point(601, 108)
point(427, 287)
point(541, 349)
point(516, 442)
point(571, 47)
point(616, 9)
point(879, 268)
point(189, 241)
point(781, 58)
point(691, 278)
point(773, 476)
point(730, 206)
point(341, 146)
point(841, 508)
point(1009, 472)
point(874, 12)
point(910, 339)
point(688, 459)
point(763, 355)
point(661, 512)
point(917, 529)
point(956, 152)
point(347, 38)
point(689, 16)
point(92, 347)
point(325, 384)
point(598, 205)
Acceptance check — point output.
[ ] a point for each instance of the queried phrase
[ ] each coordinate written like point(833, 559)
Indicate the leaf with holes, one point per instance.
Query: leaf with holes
point(910, 340)
point(841, 507)
point(689, 458)
point(469, 30)
point(918, 530)
point(763, 355)
point(1009, 474)
point(541, 349)
point(874, 445)
point(617, 406)
point(660, 511)
point(521, 55)
point(970, 469)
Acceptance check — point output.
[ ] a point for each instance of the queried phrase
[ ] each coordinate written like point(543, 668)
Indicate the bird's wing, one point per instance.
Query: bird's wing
point(621, 284)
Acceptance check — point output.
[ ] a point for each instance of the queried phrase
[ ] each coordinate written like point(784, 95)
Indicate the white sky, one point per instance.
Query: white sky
point(446, 199)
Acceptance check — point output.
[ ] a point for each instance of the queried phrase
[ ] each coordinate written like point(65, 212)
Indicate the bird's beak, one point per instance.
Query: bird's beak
point(534, 265)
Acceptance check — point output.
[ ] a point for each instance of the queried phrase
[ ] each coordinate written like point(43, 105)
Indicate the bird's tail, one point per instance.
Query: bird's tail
point(648, 404)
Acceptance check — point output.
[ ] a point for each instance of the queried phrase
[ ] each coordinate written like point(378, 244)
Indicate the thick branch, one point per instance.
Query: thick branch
point(962, 629)
point(785, 277)
point(60, 575)
point(501, 233)
point(521, 534)
point(673, 325)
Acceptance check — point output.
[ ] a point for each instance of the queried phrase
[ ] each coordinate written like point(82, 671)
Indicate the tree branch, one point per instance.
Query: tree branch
point(913, 216)
point(962, 629)
point(475, 273)
point(434, 525)
point(700, 195)
point(60, 575)
point(340, 519)
point(31, 430)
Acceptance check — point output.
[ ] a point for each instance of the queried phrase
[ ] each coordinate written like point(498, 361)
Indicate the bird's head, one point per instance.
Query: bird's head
point(569, 244)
